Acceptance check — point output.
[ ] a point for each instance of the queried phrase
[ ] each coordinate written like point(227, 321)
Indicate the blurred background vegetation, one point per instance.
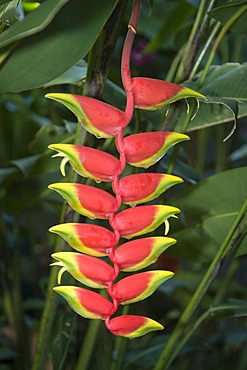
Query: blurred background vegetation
point(75, 46)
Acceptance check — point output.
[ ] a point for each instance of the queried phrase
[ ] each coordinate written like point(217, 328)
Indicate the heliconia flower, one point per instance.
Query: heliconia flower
point(137, 287)
point(143, 187)
point(86, 303)
point(139, 150)
point(132, 326)
point(91, 239)
point(87, 200)
point(97, 117)
point(151, 94)
point(88, 162)
point(143, 219)
point(140, 253)
point(147, 148)
point(90, 271)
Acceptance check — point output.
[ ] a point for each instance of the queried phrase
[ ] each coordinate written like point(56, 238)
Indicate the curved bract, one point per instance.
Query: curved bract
point(145, 149)
point(144, 187)
point(88, 162)
point(143, 219)
point(91, 239)
point(100, 119)
point(131, 326)
point(87, 200)
point(152, 94)
point(140, 253)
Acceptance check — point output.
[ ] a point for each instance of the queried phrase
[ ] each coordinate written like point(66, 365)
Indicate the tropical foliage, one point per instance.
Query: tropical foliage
point(70, 51)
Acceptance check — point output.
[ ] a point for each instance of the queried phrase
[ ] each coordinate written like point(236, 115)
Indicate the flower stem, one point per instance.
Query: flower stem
point(125, 62)
point(231, 242)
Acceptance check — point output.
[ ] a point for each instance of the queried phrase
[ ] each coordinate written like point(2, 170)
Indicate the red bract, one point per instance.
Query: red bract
point(152, 94)
point(88, 162)
point(143, 187)
point(131, 326)
point(140, 253)
point(101, 119)
point(145, 149)
point(88, 270)
point(87, 238)
point(143, 219)
point(87, 200)
point(139, 286)
point(85, 302)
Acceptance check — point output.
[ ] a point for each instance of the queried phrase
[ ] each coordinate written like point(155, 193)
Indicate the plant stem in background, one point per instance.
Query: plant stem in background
point(230, 244)
point(191, 48)
point(214, 31)
point(120, 346)
point(185, 126)
point(218, 40)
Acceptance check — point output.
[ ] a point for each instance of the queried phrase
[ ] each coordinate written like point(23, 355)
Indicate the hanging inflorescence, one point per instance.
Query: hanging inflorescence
point(93, 241)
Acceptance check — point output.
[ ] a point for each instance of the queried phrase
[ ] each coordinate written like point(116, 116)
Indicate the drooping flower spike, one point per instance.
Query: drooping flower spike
point(92, 241)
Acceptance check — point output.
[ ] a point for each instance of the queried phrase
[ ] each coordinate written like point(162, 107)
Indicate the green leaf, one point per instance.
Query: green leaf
point(227, 81)
point(5, 173)
point(214, 112)
point(45, 55)
point(224, 13)
point(72, 76)
point(32, 23)
point(208, 211)
point(26, 165)
point(226, 90)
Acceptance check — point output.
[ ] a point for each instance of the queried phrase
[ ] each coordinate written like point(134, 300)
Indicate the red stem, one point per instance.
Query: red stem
point(125, 63)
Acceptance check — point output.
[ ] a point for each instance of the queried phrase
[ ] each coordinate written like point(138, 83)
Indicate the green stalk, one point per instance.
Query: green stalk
point(120, 346)
point(185, 126)
point(191, 330)
point(49, 310)
point(191, 48)
point(231, 242)
point(218, 40)
point(215, 29)
point(88, 345)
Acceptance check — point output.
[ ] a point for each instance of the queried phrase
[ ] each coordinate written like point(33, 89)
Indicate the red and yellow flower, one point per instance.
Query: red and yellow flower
point(94, 241)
